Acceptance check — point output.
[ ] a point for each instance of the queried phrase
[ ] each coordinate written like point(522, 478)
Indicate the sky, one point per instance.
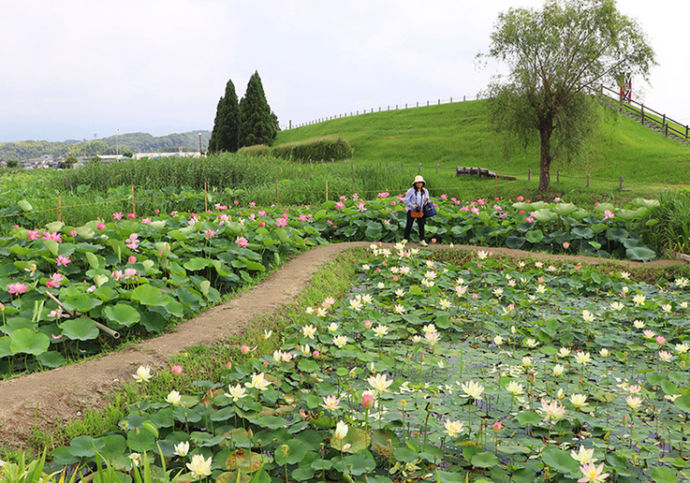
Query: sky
point(76, 69)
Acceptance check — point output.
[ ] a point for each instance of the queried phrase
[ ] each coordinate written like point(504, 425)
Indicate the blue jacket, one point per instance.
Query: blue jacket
point(412, 197)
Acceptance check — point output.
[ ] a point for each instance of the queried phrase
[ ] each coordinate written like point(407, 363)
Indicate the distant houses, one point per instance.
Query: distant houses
point(49, 162)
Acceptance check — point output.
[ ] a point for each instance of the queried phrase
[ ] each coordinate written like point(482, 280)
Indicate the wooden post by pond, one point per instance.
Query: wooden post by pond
point(620, 185)
point(587, 180)
point(205, 196)
point(59, 208)
point(134, 208)
point(529, 174)
point(326, 189)
point(558, 176)
point(436, 168)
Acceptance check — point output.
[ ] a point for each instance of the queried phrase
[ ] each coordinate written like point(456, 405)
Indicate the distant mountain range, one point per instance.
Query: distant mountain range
point(135, 142)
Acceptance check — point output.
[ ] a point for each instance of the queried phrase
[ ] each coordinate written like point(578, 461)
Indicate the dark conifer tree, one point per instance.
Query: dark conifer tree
point(258, 124)
point(226, 127)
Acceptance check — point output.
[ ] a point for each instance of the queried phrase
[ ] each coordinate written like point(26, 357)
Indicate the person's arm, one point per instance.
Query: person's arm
point(409, 200)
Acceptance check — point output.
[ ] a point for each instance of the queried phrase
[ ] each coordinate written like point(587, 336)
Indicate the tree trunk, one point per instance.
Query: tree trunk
point(545, 159)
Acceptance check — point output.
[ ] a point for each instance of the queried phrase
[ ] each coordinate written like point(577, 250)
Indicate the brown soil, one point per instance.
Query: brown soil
point(46, 398)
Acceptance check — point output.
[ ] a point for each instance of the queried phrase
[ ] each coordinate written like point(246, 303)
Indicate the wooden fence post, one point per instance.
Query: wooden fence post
point(587, 180)
point(558, 176)
point(134, 208)
point(436, 168)
point(277, 199)
point(529, 174)
point(620, 185)
point(495, 187)
point(205, 197)
point(59, 208)
point(326, 189)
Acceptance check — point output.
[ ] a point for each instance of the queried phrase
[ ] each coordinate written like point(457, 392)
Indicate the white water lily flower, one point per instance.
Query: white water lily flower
point(564, 352)
point(444, 304)
point(333, 327)
point(682, 348)
point(578, 400)
point(587, 316)
point(583, 455)
point(453, 428)
point(638, 324)
point(398, 309)
point(473, 389)
point(236, 393)
point(558, 370)
point(340, 341)
point(143, 374)
point(182, 448)
point(258, 381)
point(540, 288)
point(199, 466)
point(380, 383)
point(399, 293)
point(498, 340)
point(380, 330)
point(340, 430)
point(355, 304)
point(515, 388)
point(582, 357)
point(639, 299)
point(309, 331)
point(135, 458)
point(321, 312)
point(617, 306)
point(174, 398)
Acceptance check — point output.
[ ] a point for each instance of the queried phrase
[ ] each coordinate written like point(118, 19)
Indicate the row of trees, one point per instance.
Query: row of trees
point(246, 123)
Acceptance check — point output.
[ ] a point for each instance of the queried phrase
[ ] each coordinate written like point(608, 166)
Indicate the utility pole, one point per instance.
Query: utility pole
point(201, 151)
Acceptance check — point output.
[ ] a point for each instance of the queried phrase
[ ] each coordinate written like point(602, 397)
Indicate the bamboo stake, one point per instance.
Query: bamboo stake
point(112, 333)
point(326, 189)
point(134, 208)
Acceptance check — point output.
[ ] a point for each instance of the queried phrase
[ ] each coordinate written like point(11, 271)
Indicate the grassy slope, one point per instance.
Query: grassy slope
point(459, 134)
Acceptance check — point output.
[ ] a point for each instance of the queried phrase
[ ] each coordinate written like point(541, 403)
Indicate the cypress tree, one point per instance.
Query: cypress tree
point(259, 125)
point(226, 127)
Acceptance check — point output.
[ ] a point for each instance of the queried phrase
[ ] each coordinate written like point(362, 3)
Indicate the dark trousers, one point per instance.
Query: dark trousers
point(420, 223)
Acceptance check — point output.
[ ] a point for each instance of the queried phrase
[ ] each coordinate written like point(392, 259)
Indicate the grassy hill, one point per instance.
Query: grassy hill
point(460, 134)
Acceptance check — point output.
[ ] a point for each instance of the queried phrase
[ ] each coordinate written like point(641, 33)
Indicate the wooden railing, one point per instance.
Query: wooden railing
point(648, 115)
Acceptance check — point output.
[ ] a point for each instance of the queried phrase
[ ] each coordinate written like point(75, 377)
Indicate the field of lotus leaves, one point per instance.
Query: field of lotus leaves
point(428, 371)
point(138, 276)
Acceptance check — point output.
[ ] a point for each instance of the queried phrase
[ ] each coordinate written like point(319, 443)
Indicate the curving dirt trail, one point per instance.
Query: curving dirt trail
point(44, 398)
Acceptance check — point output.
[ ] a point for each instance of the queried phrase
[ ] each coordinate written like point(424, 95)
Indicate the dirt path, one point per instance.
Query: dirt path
point(62, 394)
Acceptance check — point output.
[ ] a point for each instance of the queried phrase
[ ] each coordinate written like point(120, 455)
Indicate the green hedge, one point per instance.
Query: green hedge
point(325, 148)
point(256, 150)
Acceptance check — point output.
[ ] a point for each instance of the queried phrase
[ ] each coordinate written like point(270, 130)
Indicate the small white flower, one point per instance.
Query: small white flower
point(143, 374)
point(182, 448)
point(333, 327)
point(174, 398)
point(340, 430)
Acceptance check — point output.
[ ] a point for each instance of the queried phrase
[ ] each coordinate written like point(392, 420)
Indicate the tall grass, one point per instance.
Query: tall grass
point(672, 232)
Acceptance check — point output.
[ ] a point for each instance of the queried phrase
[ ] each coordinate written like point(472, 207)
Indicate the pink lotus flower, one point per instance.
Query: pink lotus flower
point(529, 219)
point(367, 401)
point(62, 261)
point(228, 364)
point(132, 241)
point(57, 279)
point(32, 235)
point(316, 353)
point(475, 296)
point(608, 215)
point(252, 203)
point(566, 245)
point(497, 426)
point(130, 272)
point(16, 288)
point(262, 223)
point(433, 240)
point(50, 283)
point(132, 259)
point(131, 216)
point(343, 198)
point(383, 195)
point(176, 369)
point(339, 205)
point(156, 211)
point(146, 221)
point(117, 216)
point(51, 236)
point(210, 234)
point(100, 226)
point(520, 198)
point(281, 222)
point(556, 199)
point(661, 340)
point(117, 274)
point(367, 324)
point(241, 241)
point(444, 196)
point(73, 233)
point(540, 279)
point(244, 349)
point(261, 213)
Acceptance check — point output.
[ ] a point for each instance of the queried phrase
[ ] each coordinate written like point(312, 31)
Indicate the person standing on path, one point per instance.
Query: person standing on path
point(415, 198)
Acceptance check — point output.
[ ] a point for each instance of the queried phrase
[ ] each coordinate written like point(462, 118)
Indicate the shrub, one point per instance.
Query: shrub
point(256, 150)
point(315, 149)
point(672, 231)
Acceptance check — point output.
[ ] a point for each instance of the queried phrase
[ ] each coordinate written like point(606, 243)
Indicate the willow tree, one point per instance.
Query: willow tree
point(558, 57)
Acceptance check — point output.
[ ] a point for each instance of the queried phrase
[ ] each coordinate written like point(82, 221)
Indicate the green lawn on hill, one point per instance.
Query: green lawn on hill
point(460, 134)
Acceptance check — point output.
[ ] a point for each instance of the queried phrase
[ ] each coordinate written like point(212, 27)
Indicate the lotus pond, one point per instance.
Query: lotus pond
point(433, 372)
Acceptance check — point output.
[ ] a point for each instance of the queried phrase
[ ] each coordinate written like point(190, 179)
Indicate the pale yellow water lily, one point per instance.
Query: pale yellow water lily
point(583, 455)
point(333, 327)
point(498, 340)
point(340, 341)
point(200, 467)
point(444, 304)
point(258, 381)
point(617, 306)
point(578, 400)
point(634, 402)
point(638, 324)
point(143, 374)
point(582, 357)
point(453, 428)
point(564, 352)
point(135, 458)
point(515, 388)
point(236, 392)
point(173, 398)
point(432, 338)
point(587, 316)
point(341, 430)
point(639, 299)
point(558, 370)
point(355, 305)
point(398, 309)
point(309, 331)
point(399, 293)
point(380, 330)
point(429, 328)
point(182, 448)
point(682, 348)
point(380, 383)
point(473, 389)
